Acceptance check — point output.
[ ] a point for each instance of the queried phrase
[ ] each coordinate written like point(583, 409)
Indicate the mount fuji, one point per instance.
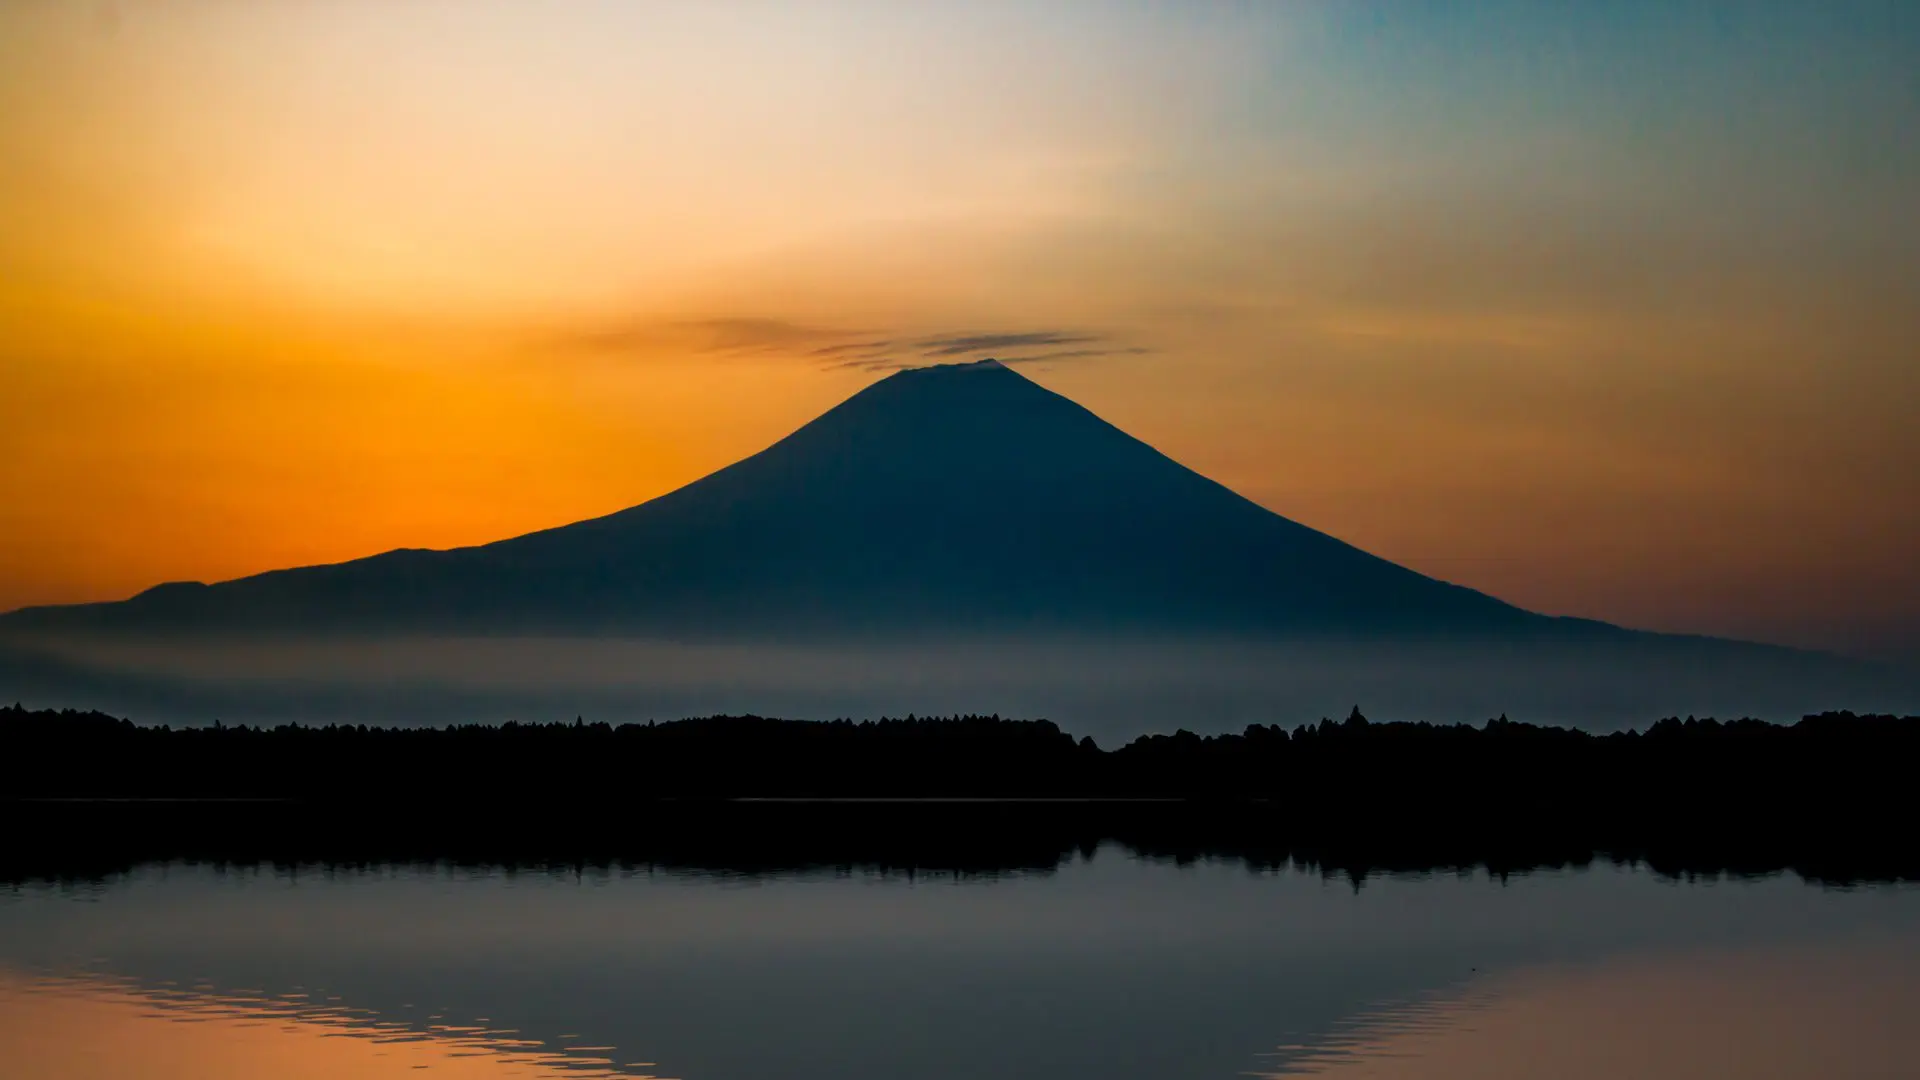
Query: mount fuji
point(951, 498)
point(953, 504)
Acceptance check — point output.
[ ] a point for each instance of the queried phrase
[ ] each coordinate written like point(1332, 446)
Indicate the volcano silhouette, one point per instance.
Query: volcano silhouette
point(961, 498)
point(950, 537)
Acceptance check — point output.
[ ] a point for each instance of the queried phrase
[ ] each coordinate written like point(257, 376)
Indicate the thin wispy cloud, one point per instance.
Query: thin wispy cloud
point(1077, 354)
point(732, 334)
point(969, 343)
point(1008, 348)
point(856, 349)
point(886, 363)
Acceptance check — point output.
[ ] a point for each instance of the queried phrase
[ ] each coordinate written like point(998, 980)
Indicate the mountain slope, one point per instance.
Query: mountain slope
point(950, 499)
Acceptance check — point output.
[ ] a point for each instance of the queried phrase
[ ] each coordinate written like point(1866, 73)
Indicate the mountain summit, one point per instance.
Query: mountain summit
point(948, 538)
point(958, 498)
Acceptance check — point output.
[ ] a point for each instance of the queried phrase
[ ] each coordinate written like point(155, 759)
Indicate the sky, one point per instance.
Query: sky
point(1608, 310)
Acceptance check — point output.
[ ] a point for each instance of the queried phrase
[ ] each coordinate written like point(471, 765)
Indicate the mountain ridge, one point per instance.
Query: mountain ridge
point(944, 500)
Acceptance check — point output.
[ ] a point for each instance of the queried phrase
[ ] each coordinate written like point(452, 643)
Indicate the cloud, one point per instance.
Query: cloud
point(856, 349)
point(735, 334)
point(760, 334)
point(851, 347)
point(969, 343)
point(1008, 348)
point(880, 363)
point(1076, 354)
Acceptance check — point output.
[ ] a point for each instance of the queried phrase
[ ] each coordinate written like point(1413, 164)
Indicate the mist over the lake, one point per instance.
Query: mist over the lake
point(1107, 688)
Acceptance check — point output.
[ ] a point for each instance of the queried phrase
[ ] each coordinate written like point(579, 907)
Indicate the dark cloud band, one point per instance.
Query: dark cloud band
point(863, 350)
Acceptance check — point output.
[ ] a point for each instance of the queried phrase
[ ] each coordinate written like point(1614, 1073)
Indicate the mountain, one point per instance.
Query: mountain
point(950, 539)
point(959, 498)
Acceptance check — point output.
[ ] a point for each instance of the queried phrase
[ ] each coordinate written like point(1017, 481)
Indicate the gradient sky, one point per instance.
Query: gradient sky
point(1607, 309)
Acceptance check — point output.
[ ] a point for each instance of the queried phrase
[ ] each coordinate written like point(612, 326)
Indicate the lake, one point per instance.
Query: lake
point(1110, 965)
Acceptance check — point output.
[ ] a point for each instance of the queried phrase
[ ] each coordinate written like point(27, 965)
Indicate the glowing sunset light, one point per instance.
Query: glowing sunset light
point(1617, 324)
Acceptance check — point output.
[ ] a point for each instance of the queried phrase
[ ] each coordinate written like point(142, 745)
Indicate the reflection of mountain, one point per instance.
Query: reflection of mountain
point(1782, 1011)
point(951, 539)
point(1113, 967)
point(949, 498)
point(296, 1034)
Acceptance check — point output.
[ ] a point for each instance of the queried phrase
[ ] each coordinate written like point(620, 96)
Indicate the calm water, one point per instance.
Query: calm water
point(1110, 967)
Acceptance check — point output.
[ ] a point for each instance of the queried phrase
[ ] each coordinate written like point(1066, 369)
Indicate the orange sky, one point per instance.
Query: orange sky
point(1620, 325)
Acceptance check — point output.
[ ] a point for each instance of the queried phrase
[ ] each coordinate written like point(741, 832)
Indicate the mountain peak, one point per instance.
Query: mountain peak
point(975, 403)
point(988, 364)
point(954, 370)
point(950, 498)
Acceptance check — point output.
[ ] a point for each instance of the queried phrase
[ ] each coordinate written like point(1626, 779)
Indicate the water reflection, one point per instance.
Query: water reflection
point(1110, 966)
point(1839, 1012)
point(96, 1027)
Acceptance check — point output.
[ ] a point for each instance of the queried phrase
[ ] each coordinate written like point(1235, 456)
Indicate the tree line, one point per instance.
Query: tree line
point(1331, 766)
point(1829, 796)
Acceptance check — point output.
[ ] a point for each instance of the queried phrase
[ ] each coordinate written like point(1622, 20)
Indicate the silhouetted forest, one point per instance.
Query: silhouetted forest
point(1830, 763)
point(1829, 796)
